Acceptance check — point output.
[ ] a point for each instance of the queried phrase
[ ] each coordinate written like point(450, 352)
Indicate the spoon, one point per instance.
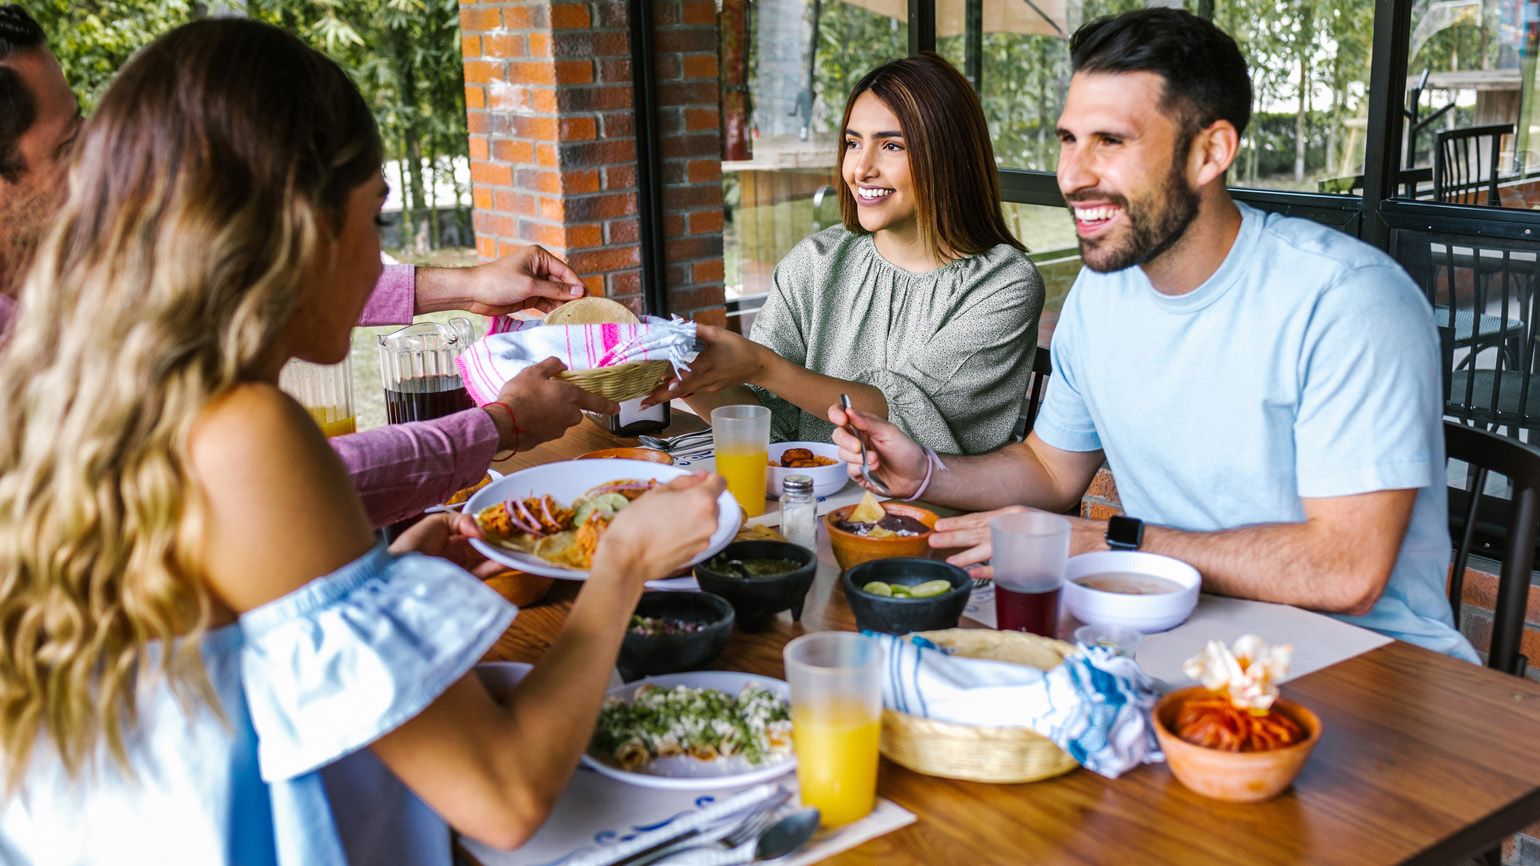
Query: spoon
point(738, 566)
point(787, 835)
point(779, 839)
point(860, 438)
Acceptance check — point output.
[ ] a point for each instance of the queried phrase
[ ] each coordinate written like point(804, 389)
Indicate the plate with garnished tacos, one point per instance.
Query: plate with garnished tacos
point(548, 520)
point(704, 729)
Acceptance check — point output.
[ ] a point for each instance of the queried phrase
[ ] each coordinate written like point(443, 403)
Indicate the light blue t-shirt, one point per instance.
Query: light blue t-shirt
point(1306, 366)
point(285, 778)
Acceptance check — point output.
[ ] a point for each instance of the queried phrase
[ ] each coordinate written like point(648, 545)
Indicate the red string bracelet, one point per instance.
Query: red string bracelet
point(513, 419)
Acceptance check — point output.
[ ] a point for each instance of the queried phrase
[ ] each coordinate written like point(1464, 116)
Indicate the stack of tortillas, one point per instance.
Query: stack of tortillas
point(591, 311)
point(622, 381)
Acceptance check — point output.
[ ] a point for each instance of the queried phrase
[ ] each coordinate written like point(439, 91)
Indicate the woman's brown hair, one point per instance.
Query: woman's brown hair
point(956, 189)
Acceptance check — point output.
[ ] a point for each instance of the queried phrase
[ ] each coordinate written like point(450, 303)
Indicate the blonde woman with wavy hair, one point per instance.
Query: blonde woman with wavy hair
point(204, 655)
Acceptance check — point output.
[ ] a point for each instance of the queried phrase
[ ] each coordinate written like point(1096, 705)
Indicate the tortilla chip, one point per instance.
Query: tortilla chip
point(868, 511)
point(591, 311)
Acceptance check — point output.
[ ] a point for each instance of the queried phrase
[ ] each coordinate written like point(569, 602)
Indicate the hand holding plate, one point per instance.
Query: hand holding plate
point(663, 529)
point(447, 535)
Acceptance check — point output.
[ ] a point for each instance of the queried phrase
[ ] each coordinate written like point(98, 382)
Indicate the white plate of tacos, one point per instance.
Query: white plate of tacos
point(656, 734)
point(547, 520)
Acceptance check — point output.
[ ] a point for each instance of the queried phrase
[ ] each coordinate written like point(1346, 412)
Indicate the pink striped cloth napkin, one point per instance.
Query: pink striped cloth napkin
point(514, 344)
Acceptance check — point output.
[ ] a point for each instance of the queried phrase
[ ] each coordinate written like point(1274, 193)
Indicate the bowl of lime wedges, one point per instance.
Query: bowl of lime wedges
point(906, 594)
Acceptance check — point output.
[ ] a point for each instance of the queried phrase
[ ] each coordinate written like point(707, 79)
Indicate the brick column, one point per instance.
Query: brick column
point(690, 144)
point(548, 96)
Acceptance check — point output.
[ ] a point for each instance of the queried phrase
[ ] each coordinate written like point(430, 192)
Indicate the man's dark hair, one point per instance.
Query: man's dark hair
point(18, 107)
point(1205, 74)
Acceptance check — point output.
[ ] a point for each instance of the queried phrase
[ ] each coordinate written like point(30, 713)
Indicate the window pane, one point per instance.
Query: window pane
point(1309, 63)
point(1470, 93)
point(1049, 235)
point(1300, 137)
point(779, 187)
point(1024, 60)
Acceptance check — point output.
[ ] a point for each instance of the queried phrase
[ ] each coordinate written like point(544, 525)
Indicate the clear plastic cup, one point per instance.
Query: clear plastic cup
point(836, 721)
point(326, 392)
point(740, 436)
point(1121, 639)
point(1028, 551)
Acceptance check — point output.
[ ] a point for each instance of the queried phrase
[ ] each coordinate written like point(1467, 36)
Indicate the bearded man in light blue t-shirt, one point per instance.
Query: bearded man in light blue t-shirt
point(1266, 390)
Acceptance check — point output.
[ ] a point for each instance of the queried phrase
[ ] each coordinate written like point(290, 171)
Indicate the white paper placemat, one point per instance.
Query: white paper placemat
point(596, 812)
point(1319, 641)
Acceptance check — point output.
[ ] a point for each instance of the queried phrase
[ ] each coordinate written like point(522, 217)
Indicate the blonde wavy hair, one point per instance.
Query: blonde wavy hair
point(204, 189)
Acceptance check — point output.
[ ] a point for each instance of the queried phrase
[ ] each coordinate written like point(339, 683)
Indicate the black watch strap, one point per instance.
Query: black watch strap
point(1125, 533)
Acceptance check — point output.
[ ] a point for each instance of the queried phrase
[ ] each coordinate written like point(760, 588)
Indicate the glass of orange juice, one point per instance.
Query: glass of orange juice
point(836, 720)
point(741, 438)
point(326, 391)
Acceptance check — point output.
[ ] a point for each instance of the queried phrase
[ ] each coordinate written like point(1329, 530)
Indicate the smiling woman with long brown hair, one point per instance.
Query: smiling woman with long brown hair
point(920, 305)
point(205, 657)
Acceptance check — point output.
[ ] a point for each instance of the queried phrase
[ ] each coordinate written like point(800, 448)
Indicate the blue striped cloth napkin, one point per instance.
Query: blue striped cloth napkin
point(1095, 705)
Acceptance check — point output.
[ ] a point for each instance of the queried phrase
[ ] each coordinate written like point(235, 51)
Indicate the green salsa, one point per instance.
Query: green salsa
point(759, 566)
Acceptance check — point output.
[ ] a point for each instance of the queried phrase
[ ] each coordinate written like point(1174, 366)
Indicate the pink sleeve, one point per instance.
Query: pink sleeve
point(394, 297)
point(400, 469)
point(7, 310)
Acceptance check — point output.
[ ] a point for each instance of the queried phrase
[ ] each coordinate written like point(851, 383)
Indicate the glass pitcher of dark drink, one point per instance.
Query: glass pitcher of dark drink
point(417, 366)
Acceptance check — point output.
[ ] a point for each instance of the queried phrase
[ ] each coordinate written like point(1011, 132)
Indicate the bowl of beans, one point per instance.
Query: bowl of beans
point(670, 632)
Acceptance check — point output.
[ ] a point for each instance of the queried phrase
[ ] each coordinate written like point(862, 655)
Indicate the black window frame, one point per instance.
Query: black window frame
point(1369, 216)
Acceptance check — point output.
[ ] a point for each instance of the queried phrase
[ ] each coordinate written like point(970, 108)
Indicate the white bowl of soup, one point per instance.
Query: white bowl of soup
point(1144, 591)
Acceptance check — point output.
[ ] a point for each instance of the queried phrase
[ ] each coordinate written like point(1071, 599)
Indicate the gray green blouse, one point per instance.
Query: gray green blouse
point(950, 349)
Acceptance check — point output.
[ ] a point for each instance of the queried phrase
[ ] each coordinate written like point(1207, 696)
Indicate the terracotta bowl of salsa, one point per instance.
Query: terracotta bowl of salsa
point(1239, 777)
point(853, 547)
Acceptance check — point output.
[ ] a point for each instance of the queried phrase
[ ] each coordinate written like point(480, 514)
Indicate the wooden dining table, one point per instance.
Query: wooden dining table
point(1424, 759)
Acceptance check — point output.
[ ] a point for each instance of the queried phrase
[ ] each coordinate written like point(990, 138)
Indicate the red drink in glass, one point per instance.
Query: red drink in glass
point(1036, 612)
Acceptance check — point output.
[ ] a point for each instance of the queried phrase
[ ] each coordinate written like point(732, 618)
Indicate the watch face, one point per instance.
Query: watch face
point(1125, 532)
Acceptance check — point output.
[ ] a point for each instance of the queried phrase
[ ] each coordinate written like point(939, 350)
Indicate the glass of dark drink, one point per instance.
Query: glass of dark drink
point(1028, 552)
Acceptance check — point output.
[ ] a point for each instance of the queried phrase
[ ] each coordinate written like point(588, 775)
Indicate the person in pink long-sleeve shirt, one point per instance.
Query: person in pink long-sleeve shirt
point(399, 469)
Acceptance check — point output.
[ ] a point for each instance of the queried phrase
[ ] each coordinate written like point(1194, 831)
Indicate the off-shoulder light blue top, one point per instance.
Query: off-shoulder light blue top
point(304, 684)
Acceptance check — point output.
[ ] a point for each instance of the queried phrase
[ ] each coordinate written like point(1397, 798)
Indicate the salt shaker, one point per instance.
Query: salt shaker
point(798, 509)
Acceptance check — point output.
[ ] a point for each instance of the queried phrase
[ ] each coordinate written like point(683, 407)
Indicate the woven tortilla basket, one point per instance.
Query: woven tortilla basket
point(972, 752)
point(620, 382)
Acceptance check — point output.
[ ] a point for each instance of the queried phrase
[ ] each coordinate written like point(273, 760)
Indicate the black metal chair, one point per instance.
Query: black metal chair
point(1037, 383)
point(1487, 310)
point(1465, 164)
point(1486, 453)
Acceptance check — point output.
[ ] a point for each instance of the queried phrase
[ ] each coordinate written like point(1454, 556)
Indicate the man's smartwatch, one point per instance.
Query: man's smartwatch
point(1125, 533)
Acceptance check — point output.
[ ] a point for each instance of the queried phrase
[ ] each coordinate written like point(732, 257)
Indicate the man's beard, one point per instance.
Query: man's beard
point(24, 215)
point(1154, 226)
